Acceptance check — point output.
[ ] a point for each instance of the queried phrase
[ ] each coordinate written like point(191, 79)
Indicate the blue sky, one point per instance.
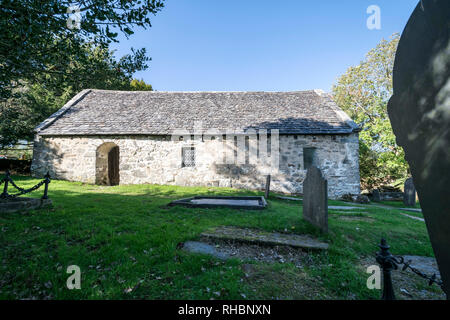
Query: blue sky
point(259, 45)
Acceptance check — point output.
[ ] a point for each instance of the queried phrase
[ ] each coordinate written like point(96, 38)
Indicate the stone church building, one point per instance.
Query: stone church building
point(225, 139)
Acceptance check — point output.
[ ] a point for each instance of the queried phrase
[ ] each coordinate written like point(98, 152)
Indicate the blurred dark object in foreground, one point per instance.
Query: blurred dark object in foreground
point(419, 111)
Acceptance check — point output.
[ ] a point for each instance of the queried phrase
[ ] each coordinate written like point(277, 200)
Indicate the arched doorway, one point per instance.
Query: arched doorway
point(107, 164)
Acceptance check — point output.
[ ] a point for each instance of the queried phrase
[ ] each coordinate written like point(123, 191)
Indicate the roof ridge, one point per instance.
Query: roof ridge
point(156, 91)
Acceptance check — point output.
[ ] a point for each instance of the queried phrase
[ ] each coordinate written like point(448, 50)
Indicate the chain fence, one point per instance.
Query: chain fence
point(431, 278)
point(21, 191)
point(389, 262)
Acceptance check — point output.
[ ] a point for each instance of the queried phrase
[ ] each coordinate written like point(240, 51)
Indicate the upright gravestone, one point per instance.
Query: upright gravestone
point(267, 186)
point(409, 193)
point(315, 199)
point(376, 196)
point(419, 114)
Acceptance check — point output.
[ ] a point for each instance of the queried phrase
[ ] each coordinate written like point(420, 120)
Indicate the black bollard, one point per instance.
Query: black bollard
point(388, 263)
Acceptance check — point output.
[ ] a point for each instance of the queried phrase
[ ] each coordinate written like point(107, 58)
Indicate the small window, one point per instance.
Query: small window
point(309, 157)
point(188, 157)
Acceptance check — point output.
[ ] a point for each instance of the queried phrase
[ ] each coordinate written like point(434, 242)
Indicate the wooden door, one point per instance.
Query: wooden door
point(113, 166)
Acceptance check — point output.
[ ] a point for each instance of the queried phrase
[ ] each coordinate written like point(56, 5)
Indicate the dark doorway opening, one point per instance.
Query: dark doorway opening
point(113, 166)
point(107, 165)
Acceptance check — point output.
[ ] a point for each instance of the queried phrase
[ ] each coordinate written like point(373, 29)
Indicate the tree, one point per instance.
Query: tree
point(40, 36)
point(140, 85)
point(363, 92)
point(94, 68)
point(44, 61)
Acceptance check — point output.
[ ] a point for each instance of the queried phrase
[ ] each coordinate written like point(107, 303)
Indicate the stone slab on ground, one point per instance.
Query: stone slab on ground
point(203, 248)
point(224, 249)
point(355, 218)
point(247, 203)
point(412, 209)
point(343, 208)
point(265, 238)
point(427, 265)
point(21, 204)
point(354, 212)
point(412, 217)
point(226, 202)
point(289, 198)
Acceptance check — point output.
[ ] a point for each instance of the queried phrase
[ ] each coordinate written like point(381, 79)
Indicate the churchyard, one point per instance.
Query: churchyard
point(130, 244)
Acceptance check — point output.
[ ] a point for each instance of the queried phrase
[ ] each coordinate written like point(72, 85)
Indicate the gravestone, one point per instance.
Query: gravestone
point(376, 197)
point(315, 199)
point(420, 117)
point(409, 194)
point(267, 186)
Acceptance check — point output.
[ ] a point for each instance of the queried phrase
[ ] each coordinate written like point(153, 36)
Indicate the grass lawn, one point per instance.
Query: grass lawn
point(399, 204)
point(125, 237)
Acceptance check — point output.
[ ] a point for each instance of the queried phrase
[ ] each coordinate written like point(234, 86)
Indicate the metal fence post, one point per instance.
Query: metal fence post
point(5, 187)
point(387, 263)
point(47, 181)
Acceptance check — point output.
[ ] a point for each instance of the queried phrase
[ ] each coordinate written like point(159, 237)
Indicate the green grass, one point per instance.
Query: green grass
point(126, 237)
point(399, 204)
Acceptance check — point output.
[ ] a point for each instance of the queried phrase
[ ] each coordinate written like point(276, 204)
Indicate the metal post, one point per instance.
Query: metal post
point(47, 181)
point(387, 263)
point(5, 187)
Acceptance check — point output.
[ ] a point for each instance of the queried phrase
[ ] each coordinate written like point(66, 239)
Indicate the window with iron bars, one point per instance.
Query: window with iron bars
point(188, 157)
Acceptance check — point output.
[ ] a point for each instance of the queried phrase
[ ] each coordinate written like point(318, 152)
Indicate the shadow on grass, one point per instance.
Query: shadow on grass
point(122, 235)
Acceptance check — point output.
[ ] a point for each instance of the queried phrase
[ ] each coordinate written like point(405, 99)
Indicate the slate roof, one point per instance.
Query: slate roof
point(104, 112)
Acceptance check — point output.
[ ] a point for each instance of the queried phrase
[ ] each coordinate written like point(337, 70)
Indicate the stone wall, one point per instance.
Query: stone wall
point(157, 160)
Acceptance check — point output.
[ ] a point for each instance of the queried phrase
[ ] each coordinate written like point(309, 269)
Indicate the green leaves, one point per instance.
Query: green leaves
point(92, 67)
point(140, 85)
point(363, 92)
point(37, 48)
point(30, 28)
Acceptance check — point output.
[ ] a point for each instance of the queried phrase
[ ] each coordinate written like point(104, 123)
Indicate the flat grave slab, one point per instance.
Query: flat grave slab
point(355, 212)
point(249, 203)
point(289, 198)
point(412, 217)
point(203, 248)
point(233, 202)
point(343, 208)
point(412, 209)
point(20, 204)
point(265, 238)
point(226, 249)
point(355, 218)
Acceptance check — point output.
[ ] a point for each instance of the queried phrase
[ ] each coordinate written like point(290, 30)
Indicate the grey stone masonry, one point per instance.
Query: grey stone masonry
point(157, 160)
point(315, 199)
